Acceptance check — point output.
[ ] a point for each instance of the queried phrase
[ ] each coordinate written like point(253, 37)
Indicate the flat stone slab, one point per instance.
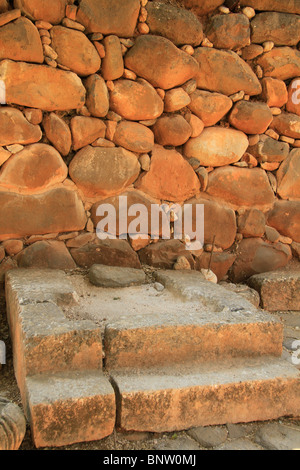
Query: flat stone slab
point(68, 407)
point(239, 444)
point(276, 436)
point(278, 290)
point(167, 400)
point(112, 276)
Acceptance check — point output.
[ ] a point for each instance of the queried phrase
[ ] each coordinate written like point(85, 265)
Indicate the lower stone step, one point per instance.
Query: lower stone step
point(174, 399)
point(69, 407)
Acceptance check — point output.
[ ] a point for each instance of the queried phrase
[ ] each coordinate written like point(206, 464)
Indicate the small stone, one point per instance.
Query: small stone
point(209, 276)
point(237, 96)
point(268, 46)
point(72, 24)
point(176, 99)
point(158, 286)
point(100, 48)
point(34, 116)
point(249, 12)
point(40, 24)
point(129, 75)
point(15, 148)
point(49, 52)
point(223, 9)
point(111, 276)
point(188, 49)
point(143, 28)
point(210, 436)
point(259, 71)
point(101, 142)
point(4, 155)
point(272, 134)
point(145, 162)
point(206, 43)
point(51, 62)
point(71, 11)
point(9, 16)
point(288, 140)
point(13, 247)
point(182, 263)
point(275, 111)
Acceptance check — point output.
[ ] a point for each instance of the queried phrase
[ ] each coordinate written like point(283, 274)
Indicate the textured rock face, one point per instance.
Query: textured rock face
point(284, 217)
point(12, 425)
point(239, 75)
point(229, 31)
point(15, 129)
point(103, 171)
point(281, 63)
point(39, 9)
point(109, 17)
point(144, 58)
point(282, 29)
point(20, 40)
point(209, 107)
point(290, 6)
point(287, 177)
point(252, 118)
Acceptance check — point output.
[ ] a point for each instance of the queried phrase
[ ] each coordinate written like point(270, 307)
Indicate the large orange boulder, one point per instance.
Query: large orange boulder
point(251, 117)
point(136, 101)
point(209, 107)
point(177, 24)
point(20, 40)
point(288, 177)
point(290, 6)
point(172, 130)
point(58, 133)
point(117, 17)
point(219, 222)
point(85, 130)
point(75, 51)
point(23, 215)
point(255, 256)
point(274, 92)
point(287, 124)
point(238, 77)
point(160, 62)
point(281, 28)
point(37, 167)
point(217, 146)
point(103, 171)
point(39, 9)
point(170, 176)
point(134, 137)
point(41, 87)
point(284, 217)
point(97, 99)
point(15, 129)
point(46, 255)
point(229, 31)
point(282, 63)
point(241, 187)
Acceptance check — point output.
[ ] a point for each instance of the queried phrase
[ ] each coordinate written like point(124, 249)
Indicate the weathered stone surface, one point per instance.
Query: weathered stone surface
point(241, 186)
point(250, 117)
point(85, 130)
point(49, 169)
point(274, 92)
point(229, 31)
point(253, 297)
point(12, 425)
point(288, 177)
point(277, 436)
point(278, 291)
point(281, 28)
point(97, 99)
point(290, 6)
point(176, 99)
point(170, 176)
point(235, 392)
point(46, 254)
point(210, 436)
point(52, 89)
point(13, 247)
point(16, 213)
point(117, 17)
point(134, 137)
point(58, 133)
point(281, 63)
point(209, 107)
point(136, 101)
point(103, 171)
point(6, 265)
point(203, 7)
point(111, 276)
point(287, 124)
point(239, 444)
point(112, 64)
point(219, 221)
point(4, 6)
point(39, 9)
point(177, 24)
point(164, 254)
point(108, 252)
point(69, 407)
point(251, 223)
point(172, 130)
point(217, 146)
point(284, 217)
point(256, 256)
point(220, 263)
point(20, 40)
point(15, 129)
point(269, 150)
point(239, 76)
point(4, 155)
point(252, 51)
point(181, 443)
point(75, 51)
point(145, 59)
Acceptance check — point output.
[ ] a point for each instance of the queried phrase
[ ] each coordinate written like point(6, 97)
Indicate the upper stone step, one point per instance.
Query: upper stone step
point(191, 321)
point(171, 399)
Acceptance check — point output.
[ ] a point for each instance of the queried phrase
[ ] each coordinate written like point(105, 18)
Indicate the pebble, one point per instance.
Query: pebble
point(188, 49)
point(268, 46)
point(145, 162)
point(72, 24)
point(206, 43)
point(249, 12)
point(158, 286)
point(143, 28)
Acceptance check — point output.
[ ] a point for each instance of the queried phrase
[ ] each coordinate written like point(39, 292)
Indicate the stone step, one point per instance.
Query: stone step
point(193, 321)
point(68, 407)
point(178, 398)
point(43, 338)
point(278, 290)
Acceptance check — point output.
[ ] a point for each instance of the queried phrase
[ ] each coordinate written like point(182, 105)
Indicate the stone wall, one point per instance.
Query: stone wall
point(191, 101)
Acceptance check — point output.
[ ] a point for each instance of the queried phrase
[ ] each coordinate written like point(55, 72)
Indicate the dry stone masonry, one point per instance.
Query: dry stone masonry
point(162, 101)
